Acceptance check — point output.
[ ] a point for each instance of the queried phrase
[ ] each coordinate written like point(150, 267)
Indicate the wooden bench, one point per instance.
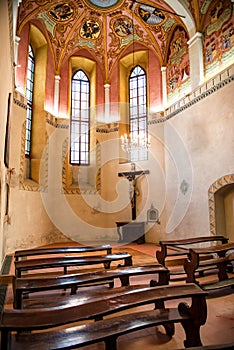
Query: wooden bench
point(65, 262)
point(109, 329)
point(74, 281)
point(175, 252)
point(221, 261)
point(20, 254)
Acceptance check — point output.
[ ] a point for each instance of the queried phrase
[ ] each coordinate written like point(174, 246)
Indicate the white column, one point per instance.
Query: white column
point(56, 94)
point(17, 40)
point(164, 86)
point(107, 102)
point(196, 60)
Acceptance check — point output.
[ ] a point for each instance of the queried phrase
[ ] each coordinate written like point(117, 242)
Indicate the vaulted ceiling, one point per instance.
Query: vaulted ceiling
point(109, 29)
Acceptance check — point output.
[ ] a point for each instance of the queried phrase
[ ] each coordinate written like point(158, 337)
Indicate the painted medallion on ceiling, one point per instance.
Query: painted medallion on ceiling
point(123, 26)
point(151, 15)
point(90, 29)
point(61, 12)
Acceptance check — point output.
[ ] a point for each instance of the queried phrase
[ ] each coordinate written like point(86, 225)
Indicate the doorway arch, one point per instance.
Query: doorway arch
point(221, 201)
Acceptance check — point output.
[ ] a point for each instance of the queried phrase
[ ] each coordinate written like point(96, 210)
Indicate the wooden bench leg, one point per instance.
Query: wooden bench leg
point(107, 265)
point(111, 343)
point(73, 290)
point(128, 261)
point(124, 281)
point(198, 315)
point(164, 278)
point(170, 327)
point(111, 284)
point(5, 339)
point(222, 272)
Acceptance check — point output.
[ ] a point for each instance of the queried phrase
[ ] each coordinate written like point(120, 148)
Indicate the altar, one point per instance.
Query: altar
point(131, 231)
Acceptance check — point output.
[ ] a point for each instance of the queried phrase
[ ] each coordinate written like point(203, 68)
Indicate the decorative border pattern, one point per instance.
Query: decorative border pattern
point(98, 160)
point(221, 182)
point(20, 100)
point(34, 186)
point(20, 103)
point(196, 99)
point(57, 122)
point(113, 127)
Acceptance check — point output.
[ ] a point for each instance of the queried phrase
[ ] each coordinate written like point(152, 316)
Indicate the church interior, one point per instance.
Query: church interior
point(117, 127)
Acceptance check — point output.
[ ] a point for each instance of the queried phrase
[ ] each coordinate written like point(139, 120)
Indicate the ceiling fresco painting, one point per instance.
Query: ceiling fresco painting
point(110, 29)
point(105, 27)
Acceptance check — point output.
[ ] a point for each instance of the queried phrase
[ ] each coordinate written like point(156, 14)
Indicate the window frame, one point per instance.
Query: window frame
point(138, 117)
point(83, 144)
point(29, 96)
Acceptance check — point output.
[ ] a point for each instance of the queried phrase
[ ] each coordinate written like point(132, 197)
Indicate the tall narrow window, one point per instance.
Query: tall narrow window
point(80, 119)
point(138, 114)
point(29, 95)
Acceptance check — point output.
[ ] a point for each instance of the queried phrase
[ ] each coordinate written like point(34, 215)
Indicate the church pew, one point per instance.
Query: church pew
point(108, 329)
point(65, 262)
point(19, 254)
point(74, 281)
point(175, 252)
point(223, 256)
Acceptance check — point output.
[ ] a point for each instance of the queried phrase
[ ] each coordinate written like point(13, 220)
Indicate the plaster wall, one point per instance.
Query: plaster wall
point(6, 79)
point(28, 223)
point(188, 153)
point(206, 136)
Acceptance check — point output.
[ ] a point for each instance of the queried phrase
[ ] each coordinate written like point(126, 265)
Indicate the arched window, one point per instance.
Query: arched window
point(80, 119)
point(138, 114)
point(29, 95)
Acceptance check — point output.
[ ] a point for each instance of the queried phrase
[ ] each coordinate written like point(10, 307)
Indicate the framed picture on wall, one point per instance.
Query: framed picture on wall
point(7, 134)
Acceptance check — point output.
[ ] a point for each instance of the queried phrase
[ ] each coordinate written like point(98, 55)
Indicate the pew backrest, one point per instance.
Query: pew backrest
point(74, 281)
point(19, 254)
point(221, 262)
point(65, 262)
point(175, 252)
point(40, 319)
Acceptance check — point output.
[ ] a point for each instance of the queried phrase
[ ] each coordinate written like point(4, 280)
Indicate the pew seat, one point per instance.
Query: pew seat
point(24, 253)
point(223, 257)
point(44, 321)
point(65, 261)
point(22, 286)
point(174, 253)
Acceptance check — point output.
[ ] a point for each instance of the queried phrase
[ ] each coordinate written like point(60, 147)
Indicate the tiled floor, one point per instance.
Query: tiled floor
point(219, 327)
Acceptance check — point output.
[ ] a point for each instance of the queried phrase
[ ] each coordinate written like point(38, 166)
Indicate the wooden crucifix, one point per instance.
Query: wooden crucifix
point(132, 177)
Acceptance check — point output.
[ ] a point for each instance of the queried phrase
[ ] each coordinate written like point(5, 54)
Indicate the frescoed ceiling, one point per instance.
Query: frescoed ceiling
point(108, 28)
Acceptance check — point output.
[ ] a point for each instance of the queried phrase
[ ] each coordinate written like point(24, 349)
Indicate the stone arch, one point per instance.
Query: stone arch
point(182, 9)
point(216, 186)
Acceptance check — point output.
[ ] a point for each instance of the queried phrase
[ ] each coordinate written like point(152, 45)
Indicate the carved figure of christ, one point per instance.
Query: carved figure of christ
point(132, 177)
